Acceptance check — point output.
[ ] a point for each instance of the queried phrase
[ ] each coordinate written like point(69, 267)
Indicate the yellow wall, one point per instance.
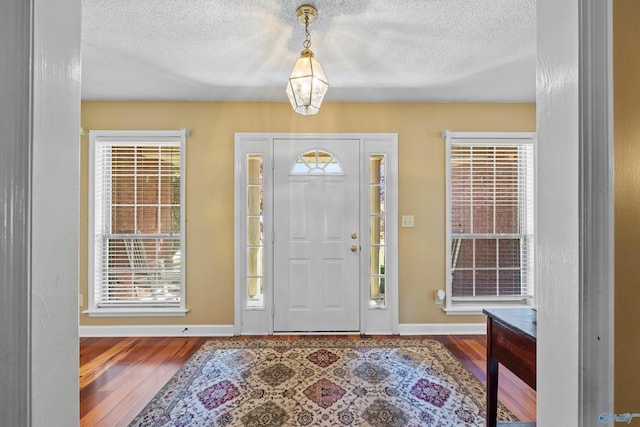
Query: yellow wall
point(626, 66)
point(209, 180)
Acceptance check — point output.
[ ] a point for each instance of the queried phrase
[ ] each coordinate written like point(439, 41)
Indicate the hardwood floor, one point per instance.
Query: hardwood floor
point(471, 351)
point(118, 376)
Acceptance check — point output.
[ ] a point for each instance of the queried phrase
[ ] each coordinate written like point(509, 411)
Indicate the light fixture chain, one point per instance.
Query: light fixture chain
point(307, 42)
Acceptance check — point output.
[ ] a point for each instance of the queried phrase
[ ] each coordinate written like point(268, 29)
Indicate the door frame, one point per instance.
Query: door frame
point(258, 320)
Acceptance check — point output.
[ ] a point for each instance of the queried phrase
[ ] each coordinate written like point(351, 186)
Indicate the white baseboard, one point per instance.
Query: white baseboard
point(443, 329)
point(228, 330)
point(156, 331)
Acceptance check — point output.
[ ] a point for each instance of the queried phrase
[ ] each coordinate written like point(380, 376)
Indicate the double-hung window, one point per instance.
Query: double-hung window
point(490, 220)
point(136, 223)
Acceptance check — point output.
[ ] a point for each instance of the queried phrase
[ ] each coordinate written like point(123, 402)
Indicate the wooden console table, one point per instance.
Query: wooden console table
point(511, 340)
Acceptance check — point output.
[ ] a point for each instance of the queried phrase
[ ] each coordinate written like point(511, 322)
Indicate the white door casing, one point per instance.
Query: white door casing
point(316, 236)
point(366, 312)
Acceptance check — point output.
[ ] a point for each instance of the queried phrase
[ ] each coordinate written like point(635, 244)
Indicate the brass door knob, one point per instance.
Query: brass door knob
point(354, 235)
point(354, 248)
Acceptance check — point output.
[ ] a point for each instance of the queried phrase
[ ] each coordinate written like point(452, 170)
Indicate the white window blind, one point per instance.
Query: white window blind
point(490, 217)
point(137, 219)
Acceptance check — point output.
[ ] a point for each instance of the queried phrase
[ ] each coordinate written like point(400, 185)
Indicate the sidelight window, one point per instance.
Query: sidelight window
point(377, 220)
point(255, 231)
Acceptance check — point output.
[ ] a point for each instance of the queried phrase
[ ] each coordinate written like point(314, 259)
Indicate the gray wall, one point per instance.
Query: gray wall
point(15, 207)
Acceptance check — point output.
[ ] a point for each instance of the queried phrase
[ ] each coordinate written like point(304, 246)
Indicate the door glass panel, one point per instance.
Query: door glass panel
point(376, 229)
point(254, 264)
point(254, 202)
point(376, 192)
point(255, 238)
point(377, 260)
point(254, 231)
point(256, 291)
point(255, 174)
point(316, 162)
point(377, 218)
point(377, 288)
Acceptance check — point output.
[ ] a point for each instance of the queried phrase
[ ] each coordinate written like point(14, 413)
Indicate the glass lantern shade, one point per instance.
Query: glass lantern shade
point(307, 85)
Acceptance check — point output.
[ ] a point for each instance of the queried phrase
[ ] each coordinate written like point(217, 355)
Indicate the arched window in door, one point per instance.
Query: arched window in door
point(316, 162)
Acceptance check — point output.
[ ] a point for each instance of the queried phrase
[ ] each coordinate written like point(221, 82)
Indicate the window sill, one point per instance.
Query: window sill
point(475, 310)
point(136, 312)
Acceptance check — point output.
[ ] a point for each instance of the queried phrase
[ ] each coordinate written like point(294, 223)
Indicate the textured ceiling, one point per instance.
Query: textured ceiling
point(370, 50)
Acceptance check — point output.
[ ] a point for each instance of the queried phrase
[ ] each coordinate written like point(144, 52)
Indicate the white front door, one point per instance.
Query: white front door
point(316, 235)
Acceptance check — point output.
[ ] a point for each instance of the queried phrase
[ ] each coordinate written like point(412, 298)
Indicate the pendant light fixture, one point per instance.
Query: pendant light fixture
point(307, 85)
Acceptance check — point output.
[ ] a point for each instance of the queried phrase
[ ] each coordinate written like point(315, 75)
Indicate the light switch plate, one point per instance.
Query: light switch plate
point(407, 221)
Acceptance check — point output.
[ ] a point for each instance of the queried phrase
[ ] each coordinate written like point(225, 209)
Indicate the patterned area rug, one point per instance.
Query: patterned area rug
point(320, 382)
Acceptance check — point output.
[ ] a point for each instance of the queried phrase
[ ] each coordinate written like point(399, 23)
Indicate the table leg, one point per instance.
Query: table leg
point(492, 380)
point(492, 392)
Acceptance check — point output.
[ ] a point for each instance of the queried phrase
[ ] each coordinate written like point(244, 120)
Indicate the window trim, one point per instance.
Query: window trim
point(475, 305)
point(134, 137)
